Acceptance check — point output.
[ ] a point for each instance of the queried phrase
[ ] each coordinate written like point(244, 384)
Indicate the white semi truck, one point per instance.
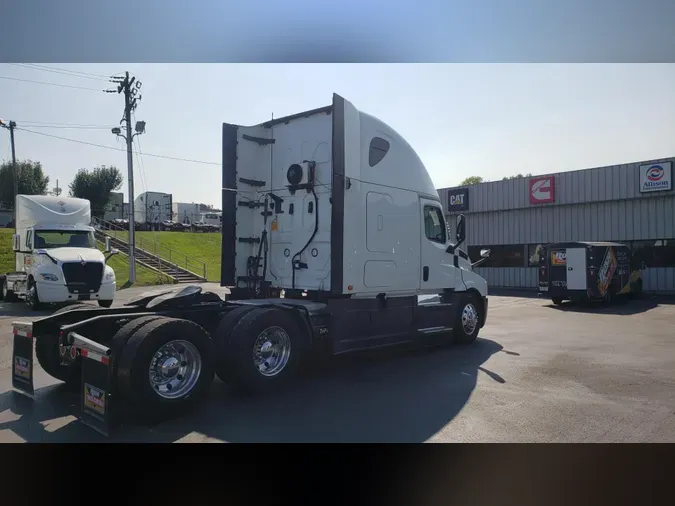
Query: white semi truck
point(55, 254)
point(334, 240)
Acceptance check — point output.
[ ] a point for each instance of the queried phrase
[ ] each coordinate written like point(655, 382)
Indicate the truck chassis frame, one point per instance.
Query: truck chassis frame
point(89, 338)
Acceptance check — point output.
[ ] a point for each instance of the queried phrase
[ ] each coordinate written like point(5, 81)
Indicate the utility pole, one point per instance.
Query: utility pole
point(130, 88)
point(11, 126)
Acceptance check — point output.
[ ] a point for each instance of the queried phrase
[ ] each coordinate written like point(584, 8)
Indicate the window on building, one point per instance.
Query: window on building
point(533, 254)
point(434, 224)
point(659, 253)
point(378, 149)
point(511, 255)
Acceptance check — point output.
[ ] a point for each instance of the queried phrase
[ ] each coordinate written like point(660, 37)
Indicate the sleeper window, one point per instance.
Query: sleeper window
point(378, 149)
point(434, 224)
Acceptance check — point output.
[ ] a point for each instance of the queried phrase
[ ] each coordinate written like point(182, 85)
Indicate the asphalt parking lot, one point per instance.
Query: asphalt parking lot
point(538, 373)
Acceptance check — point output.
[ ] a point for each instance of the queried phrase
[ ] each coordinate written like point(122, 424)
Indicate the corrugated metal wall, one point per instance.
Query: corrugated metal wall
point(655, 280)
point(590, 185)
point(601, 204)
point(624, 220)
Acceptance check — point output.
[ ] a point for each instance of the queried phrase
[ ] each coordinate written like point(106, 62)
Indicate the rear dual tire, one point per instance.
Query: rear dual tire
point(163, 367)
point(259, 350)
point(134, 353)
point(47, 353)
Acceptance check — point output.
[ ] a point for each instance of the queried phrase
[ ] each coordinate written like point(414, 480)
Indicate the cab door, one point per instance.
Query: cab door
point(437, 270)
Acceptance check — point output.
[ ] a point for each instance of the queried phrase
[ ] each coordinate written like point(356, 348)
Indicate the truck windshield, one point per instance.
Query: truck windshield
point(46, 239)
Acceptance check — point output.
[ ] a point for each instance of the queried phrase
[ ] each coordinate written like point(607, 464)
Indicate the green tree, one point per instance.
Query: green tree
point(471, 180)
point(32, 181)
point(95, 185)
point(518, 176)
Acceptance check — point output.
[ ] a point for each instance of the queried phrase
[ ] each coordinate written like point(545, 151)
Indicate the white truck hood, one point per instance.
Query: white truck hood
point(75, 254)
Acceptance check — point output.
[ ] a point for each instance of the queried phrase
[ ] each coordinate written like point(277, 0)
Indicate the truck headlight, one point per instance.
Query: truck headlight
point(110, 276)
point(49, 277)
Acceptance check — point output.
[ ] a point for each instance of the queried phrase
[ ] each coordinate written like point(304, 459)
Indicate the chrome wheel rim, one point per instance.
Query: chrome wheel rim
point(272, 351)
point(469, 319)
point(175, 369)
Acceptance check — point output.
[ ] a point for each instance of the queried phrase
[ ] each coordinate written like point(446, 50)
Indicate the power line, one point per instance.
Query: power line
point(117, 149)
point(75, 127)
point(54, 70)
point(50, 84)
point(139, 159)
point(55, 123)
point(62, 70)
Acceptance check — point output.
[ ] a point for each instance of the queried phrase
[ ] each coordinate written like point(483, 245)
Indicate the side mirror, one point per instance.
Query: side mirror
point(16, 242)
point(108, 249)
point(461, 230)
point(484, 253)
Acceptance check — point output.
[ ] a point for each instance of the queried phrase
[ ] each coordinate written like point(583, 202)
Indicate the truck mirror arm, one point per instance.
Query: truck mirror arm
point(478, 262)
point(113, 252)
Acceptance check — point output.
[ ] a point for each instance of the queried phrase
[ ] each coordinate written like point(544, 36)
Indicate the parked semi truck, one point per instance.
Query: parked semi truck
point(56, 259)
point(334, 240)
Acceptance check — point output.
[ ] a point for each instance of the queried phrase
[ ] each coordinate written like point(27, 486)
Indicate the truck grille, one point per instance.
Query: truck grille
point(83, 277)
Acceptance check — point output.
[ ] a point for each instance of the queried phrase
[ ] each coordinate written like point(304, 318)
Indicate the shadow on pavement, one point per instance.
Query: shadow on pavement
point(390, 396)
point(21, 310)
point(50, 418)
point(513, 292)
point(620, 307)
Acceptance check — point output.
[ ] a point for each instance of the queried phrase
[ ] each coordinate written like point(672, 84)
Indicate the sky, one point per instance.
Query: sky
point(490, 120)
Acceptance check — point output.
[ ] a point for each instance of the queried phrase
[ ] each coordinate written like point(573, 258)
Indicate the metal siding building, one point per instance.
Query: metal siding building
point(599, 204)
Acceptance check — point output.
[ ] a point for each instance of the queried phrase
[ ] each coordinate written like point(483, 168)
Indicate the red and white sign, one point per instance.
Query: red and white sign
point(542, 190)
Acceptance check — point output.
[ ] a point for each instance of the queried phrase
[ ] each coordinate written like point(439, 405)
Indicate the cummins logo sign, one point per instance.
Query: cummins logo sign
point(655, 177)
point(542, 190)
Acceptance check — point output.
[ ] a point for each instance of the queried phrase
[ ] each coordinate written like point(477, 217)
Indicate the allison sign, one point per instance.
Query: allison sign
point(656, 177)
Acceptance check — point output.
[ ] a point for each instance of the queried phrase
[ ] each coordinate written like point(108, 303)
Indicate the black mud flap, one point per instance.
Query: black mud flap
point(22, 358)
point(97, 401)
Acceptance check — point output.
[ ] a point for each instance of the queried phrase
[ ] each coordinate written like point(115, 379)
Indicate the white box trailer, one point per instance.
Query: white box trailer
point(334, 240)
point(56, 259)
point(186, 213)
point(151, 209)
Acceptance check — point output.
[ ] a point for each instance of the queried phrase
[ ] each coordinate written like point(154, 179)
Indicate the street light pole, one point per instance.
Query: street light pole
point(11, 126)
point(130, 87)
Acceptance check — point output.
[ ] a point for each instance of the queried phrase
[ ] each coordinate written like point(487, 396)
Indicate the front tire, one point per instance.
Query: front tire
point(638, 289)
point(467, 320)
point(105, 303)
point(265, 349)
point(607, 298)
point(557, 301)
point(32, 296)
point(166, 367)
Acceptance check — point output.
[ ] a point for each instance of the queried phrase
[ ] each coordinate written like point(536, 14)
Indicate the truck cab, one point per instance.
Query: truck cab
point(56, 258)
point(334, 205)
